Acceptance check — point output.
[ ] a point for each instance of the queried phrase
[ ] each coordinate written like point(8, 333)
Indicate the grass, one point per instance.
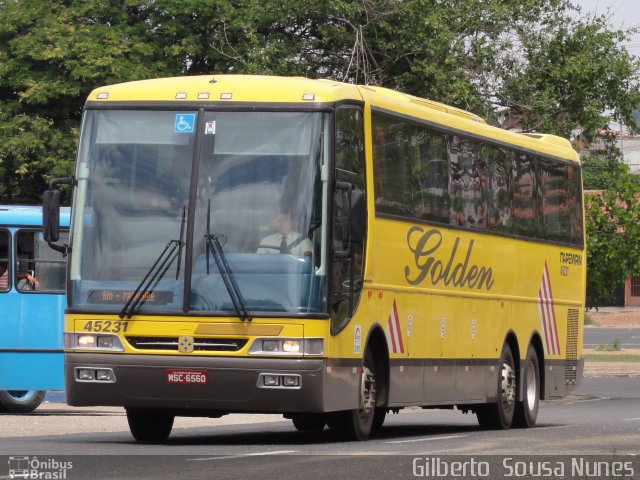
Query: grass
point(618, 357)
point(609, 347)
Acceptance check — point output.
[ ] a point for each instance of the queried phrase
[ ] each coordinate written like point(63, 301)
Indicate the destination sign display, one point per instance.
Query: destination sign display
point(120, 297)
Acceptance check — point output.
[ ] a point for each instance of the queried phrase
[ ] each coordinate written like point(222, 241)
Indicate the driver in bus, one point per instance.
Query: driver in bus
point(285, 240)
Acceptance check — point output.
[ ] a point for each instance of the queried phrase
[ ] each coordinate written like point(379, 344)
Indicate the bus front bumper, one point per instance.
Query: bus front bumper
point(173, 382)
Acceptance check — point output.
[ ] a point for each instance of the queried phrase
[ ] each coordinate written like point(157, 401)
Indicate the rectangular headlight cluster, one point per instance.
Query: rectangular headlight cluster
point(97, 375)
point(288, 346)
point(280, 380)
point(92, 341)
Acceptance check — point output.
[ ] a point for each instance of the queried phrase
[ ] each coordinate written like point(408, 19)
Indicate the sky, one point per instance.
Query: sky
point(624, 14)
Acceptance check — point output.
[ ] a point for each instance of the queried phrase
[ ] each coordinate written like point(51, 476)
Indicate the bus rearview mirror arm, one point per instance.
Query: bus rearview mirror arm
point(51, 213)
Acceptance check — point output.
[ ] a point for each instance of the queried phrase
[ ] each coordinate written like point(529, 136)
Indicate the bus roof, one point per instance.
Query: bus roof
point(28, 215)
point(234, 89)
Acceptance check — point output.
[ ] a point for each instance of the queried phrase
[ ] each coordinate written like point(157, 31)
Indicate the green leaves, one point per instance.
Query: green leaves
point(613, 232)
point(528, 64)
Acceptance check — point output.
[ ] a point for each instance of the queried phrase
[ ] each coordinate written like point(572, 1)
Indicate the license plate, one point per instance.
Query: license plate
point(187, 377)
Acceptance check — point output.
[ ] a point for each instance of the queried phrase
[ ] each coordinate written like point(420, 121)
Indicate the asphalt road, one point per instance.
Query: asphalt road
point(602, 418)
point(628, 337)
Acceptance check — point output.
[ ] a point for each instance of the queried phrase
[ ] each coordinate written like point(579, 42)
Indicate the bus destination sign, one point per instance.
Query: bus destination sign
point(119, 297)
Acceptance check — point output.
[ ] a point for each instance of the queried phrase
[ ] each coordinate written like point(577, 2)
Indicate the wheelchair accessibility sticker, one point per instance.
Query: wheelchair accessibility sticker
point(185, 123)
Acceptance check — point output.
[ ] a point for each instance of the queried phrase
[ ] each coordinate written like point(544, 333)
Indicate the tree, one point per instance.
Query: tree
point(613, 235)
point(530, 64)
point(52, 54)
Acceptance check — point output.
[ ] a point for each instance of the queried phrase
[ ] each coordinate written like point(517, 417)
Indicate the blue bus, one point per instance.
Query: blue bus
point(32, 302)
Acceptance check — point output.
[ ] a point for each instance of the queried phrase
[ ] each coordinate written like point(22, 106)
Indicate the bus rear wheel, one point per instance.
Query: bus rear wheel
point(499, 415)
point(152, 426)
point(21, 401)
point(309, 422)
point(527, 410)
point(357, 424)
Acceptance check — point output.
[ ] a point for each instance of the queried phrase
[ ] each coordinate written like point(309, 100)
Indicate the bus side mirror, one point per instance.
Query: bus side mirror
point(51, 215)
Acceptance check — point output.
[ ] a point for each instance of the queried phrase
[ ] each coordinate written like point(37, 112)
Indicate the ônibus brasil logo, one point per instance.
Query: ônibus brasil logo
point(38, 469)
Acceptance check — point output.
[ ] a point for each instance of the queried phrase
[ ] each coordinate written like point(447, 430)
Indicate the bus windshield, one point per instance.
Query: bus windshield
point(258, 191)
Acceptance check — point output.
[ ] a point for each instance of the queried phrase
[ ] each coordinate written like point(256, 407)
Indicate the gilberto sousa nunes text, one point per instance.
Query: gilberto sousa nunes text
point(527, 467)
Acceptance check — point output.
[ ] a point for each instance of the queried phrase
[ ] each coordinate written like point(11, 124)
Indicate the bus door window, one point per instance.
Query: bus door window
point(38, 267)
point(346, 281)
point(5, 283)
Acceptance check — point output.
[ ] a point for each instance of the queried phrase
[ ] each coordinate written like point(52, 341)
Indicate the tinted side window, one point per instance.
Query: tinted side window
point(432, 178)
point(392, 166)
point(411, 170)
point(526, 221)
point(561, 203)
point(499, 164)
point(423, 174)
point(468, 184)
point(5, 283)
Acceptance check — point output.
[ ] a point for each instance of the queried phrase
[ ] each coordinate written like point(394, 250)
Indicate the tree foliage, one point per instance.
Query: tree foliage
point(613, 235)
point(530, 64)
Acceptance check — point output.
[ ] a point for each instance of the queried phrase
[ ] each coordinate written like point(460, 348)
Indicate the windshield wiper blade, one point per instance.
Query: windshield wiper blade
point(184, 216)
point(155, 274)
point(214, 247)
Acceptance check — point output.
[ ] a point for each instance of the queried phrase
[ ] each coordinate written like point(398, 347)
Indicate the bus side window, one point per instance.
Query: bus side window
point(35, 258)
point(5, 283)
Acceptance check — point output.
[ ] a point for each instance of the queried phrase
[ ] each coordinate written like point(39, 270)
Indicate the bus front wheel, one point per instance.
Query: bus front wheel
point(499, 415)
point(357, 424)
point(21, 401)
point(309, 422)
point(152, 426)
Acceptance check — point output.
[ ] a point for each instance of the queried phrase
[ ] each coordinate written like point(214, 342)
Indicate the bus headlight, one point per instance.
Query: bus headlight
point(287, 346)
point(91, 341)
point(291, 346)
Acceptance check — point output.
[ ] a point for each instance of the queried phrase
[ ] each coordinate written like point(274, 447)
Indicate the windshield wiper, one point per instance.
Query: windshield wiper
point(156, 273)
point(214, 247)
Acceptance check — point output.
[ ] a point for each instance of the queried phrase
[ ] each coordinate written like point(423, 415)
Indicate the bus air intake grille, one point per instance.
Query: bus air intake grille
point(570, 369)
point(170, 344)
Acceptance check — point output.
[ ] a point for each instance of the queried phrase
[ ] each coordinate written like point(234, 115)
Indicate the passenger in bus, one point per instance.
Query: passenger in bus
point(285, 240)
point(4, 277)
point(26, 281)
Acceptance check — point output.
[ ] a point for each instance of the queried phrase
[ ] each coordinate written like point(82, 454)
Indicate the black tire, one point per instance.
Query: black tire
point(378, 419)
point(309, 422)
point(21, 401)
point(357, 424)
point(151, 426)
point(527, 410)
point(499, 415)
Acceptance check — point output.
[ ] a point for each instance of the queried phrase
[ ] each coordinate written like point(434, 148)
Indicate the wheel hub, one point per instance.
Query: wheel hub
point(367, 391)
point(508, 385)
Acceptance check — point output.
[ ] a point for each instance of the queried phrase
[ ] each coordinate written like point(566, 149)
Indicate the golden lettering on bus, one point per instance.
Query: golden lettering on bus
point(424, 245)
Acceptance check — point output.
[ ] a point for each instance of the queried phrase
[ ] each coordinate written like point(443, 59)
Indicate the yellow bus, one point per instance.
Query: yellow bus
point(327, 251)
